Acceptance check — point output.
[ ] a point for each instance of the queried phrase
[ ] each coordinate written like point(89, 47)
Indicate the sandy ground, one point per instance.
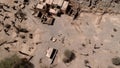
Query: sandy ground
point(90, 34)
point(99, 45)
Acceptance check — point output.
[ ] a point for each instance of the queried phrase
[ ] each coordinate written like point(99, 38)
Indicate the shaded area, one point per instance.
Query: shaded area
point(15, 62)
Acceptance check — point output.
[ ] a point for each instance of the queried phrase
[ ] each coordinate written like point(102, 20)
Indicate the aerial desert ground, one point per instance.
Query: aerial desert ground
point(90, 31)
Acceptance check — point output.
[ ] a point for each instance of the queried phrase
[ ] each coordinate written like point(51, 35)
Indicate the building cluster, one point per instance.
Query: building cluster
point(45, 10)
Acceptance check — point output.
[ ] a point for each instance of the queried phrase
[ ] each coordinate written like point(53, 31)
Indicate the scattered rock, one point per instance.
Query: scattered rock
point(23, 30)
point(89, 41)
point(22, 36)
point(115, 30)
point(3, 43)
point(16, 1)
point(8, 26)
point(7, 49)
point(31, 36)
point(84, 54)
point(40, 61)
point(22, 6)
point(112, 36)
point(83, 45)
point(63, 40)
point(87, 64)
point(23, 53)
point(95, 47)
point(12, 41)
point(6, 17)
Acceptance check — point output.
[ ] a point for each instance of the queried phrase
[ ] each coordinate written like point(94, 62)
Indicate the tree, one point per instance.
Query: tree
point(68, 56)
point(15, 62)
point(116, 61)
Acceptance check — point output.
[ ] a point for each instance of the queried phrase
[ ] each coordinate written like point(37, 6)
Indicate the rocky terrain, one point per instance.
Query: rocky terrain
point(93, 36)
